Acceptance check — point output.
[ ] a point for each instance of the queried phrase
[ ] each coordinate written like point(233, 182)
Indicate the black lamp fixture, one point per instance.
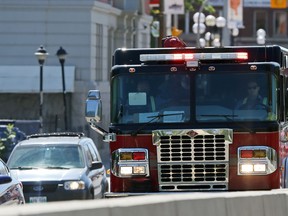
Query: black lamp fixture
point(61, 53)
point(41, 55)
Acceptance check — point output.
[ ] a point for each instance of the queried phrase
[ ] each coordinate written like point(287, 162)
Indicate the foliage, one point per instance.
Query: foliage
point(7, 140)
point(190, 6)
point(194, 5)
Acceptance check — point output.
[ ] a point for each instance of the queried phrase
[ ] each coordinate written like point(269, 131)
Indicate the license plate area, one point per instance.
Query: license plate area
point(39, 199)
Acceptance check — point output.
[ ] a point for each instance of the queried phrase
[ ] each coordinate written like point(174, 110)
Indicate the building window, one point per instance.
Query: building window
point(280, 24)
point(99, 52)
point(111, 48)
point(261, 20)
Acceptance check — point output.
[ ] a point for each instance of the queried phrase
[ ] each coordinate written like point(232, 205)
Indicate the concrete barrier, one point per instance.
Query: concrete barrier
point(255, 203)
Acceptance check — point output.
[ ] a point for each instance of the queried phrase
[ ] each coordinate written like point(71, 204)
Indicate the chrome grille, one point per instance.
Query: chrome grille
point(184, 148)
point(192, 159)
point(193, 172)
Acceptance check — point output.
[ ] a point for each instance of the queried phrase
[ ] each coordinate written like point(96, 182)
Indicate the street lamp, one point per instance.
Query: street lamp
point(261, 36)
point(41, 55)
point(198, 26)
point(210, 22)
point(234, 33)
point(61, 53)
point(220, 23)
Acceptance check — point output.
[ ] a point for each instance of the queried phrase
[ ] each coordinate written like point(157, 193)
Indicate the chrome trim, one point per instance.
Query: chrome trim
point(253, 67)
point(211, 68)
point(270, 160)
point(117, 163)
point(193, 160)
point(228, 134)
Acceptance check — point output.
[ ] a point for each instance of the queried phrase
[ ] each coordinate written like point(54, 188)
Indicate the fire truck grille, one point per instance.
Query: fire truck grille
point(193, 160)
point(201, 148)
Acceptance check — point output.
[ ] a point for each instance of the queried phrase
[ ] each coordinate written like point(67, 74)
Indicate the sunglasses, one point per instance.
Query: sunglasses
point(252, 87)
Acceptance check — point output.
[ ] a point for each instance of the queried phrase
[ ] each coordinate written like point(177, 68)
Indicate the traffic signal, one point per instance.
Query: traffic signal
point(278, 3)
point(176, 32)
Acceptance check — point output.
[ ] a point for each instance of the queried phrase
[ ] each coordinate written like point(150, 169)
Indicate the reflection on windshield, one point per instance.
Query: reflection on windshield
point(209, 97)
point(242, 97)
point(137, 99)
point(46, 156)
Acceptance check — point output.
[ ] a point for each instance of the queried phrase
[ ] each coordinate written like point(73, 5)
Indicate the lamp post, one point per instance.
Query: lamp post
point(41, 55)
point(198, 26)
point(61, 53)
point(234, 33)
point(210, 22)
point(261, 36)
point(220, 23)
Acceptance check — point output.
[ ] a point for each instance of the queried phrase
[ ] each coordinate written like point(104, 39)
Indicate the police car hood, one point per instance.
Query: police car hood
point(49, 174)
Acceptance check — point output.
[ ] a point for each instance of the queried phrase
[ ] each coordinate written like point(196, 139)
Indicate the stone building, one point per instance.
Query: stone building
point(257, 14)
point(88, 30)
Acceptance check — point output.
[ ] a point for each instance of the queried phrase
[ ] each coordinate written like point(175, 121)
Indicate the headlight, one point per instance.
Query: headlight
point(132, 170)
point(256, 160)
point(246, 168)
point(128, 162)
point(74, 185)
point(253, 168)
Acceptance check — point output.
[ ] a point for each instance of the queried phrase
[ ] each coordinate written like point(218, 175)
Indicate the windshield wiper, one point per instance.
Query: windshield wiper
point(153, 118)
point(55, 167)
point(120, 112)
point(24, 168)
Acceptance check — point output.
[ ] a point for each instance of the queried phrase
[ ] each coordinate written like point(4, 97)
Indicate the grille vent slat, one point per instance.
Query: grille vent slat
point(204, 148)
point(193, 163)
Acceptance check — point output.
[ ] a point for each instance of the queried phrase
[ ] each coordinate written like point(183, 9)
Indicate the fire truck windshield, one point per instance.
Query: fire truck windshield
point(193, 97)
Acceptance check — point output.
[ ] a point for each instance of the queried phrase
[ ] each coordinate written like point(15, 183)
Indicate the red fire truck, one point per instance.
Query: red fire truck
point(182, 119)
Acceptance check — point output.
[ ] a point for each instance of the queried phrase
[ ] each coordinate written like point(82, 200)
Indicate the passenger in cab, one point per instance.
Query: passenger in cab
point(253, 100)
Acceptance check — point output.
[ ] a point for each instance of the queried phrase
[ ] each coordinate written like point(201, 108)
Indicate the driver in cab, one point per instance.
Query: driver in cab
point(253, 100)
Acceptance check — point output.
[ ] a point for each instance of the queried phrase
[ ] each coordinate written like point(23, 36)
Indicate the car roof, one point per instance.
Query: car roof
point(54, 138)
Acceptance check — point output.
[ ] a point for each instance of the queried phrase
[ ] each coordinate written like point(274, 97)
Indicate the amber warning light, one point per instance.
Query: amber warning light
point(194, 56)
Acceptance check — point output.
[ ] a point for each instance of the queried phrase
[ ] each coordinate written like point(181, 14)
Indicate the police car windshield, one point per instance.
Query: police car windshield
point(46, 156)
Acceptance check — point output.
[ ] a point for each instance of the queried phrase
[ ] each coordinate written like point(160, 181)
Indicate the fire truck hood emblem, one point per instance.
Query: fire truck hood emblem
point(192, 133)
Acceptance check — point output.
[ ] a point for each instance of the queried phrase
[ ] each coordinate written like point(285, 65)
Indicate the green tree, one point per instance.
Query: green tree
point(7, 141)
point(190, 6)
point(194, 5)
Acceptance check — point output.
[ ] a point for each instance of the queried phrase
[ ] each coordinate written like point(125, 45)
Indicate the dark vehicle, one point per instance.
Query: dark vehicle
point(11, 189)
point(59, 166)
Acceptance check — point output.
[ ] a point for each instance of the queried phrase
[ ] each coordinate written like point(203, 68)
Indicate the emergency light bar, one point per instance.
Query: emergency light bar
point(193, 56)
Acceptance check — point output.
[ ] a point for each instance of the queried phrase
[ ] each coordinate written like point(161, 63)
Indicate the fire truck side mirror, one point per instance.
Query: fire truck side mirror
point(93, 109)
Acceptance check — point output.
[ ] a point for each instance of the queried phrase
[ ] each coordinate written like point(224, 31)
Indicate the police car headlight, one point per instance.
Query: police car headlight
point(74, 185)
